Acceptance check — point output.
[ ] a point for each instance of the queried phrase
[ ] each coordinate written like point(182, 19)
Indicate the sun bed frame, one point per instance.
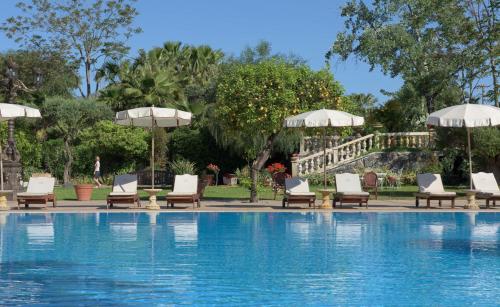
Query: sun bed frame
point(126, 184)
point(348, 190)
point(487, 188)
point(38, 197)
point(185, 193)
point(297, 192)
point(431, 188)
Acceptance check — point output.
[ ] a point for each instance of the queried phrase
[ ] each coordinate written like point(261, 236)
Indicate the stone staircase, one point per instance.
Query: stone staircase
point(310, 158)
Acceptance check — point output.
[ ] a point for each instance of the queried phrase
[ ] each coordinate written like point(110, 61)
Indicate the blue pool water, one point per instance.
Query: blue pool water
point(126, 259)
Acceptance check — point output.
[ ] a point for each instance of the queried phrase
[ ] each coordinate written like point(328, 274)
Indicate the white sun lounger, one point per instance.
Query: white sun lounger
point(124, 191)
point(430, 187)
point(186, 190)
point(297, 191)
point(348, 190)
point(40, 191)
point(487, 187)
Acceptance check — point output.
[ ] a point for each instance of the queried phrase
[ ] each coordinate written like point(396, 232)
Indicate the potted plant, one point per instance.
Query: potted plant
point(83, 188)
point(214, 169)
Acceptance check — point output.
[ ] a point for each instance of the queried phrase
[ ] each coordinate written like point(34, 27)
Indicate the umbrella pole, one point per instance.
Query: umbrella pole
point(324, 157)
point(152, 152)
point(470, 157)
point(1, 167)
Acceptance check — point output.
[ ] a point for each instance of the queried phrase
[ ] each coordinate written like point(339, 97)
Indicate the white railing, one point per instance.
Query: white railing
point(310, 158)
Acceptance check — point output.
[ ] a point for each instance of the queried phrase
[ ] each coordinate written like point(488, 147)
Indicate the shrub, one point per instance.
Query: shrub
point(181, 166)
point(317, 179)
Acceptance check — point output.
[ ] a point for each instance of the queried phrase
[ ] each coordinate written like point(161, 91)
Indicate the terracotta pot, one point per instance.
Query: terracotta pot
point(84, 191)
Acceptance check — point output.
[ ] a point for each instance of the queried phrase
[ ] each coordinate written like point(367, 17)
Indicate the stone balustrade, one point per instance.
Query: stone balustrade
point(310, 158)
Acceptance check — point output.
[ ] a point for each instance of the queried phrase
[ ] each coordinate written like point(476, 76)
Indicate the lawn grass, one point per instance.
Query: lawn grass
point(240, 193)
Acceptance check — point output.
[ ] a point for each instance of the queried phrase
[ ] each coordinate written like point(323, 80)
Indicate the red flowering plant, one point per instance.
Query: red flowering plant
point(214, 169)
point(276, 168)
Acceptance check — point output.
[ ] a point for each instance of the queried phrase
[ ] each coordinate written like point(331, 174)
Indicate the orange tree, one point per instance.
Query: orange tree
point(252, 100)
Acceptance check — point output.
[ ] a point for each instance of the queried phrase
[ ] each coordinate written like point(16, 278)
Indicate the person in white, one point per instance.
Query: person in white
point(97, 172)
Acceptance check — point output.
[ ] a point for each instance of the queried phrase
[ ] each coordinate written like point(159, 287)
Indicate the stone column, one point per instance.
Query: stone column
point(294, 159)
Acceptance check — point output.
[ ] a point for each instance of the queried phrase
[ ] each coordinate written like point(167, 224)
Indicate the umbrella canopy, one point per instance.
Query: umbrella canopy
point(151, 117)
point(468, 116)
point(10, 111)
point(324, 118)
point(465, 115)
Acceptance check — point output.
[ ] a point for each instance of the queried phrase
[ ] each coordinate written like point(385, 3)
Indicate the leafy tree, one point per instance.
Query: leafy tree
point(428, 43)
point(66, 118)
point(486, 35)
point(85, 32)
point(254, 99)
point(43, 74)
point(174, 75)
point(120, 147)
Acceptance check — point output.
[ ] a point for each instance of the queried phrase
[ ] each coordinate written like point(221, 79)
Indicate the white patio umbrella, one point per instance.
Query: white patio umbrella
point(10, 111)
point(324, 118)
point(151, 117)
point(468, 116)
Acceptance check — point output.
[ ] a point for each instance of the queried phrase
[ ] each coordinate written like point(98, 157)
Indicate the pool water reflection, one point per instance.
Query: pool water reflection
point(62, 259)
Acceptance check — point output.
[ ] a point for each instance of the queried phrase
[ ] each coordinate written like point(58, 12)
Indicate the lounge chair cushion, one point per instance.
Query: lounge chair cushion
point(185, 185)
point(41, 185)
point(348, 183)
point(437, 193)
point(126, 183)
point(292, 194)
point(485, 182)
point(489, 194)
point(180, 194)
point(26, 194)
point(430, 183)
point(353, 194)
point(122, 194)
point(296, 185)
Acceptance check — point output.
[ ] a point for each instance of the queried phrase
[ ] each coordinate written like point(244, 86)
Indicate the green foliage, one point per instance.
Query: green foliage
point(199, 146)
point(58, 76)
point(54, 157)
point(120, 148)
point(30, 149)
point(432, 45)
point(174, 75)
point(486, 145)
point(67, 118)
point(260, 96)
point(317, 179)
point(253, 100)
point(82, 179)
point(181, 166)
point(84, 31)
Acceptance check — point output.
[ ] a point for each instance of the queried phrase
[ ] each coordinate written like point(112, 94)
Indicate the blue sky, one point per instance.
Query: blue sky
point(305, 28)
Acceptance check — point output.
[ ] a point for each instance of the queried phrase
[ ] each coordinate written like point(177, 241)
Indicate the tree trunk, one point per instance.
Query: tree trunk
point(69, 162)
point(495, 82)
point(87, 76)
point(429, 103)
point(258, 164)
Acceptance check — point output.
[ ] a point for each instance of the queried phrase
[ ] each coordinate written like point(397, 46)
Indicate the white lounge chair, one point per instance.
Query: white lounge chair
point(297, 191)
point(40, 191)
point(430, 187)
point(124, 191)
point(487, 187)
point(186, 190)
point(348, 190)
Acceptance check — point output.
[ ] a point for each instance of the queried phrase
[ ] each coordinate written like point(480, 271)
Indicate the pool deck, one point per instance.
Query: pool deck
point(392, 205)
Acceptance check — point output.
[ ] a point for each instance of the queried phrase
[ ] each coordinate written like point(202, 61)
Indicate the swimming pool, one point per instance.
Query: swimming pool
point(62, 259)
